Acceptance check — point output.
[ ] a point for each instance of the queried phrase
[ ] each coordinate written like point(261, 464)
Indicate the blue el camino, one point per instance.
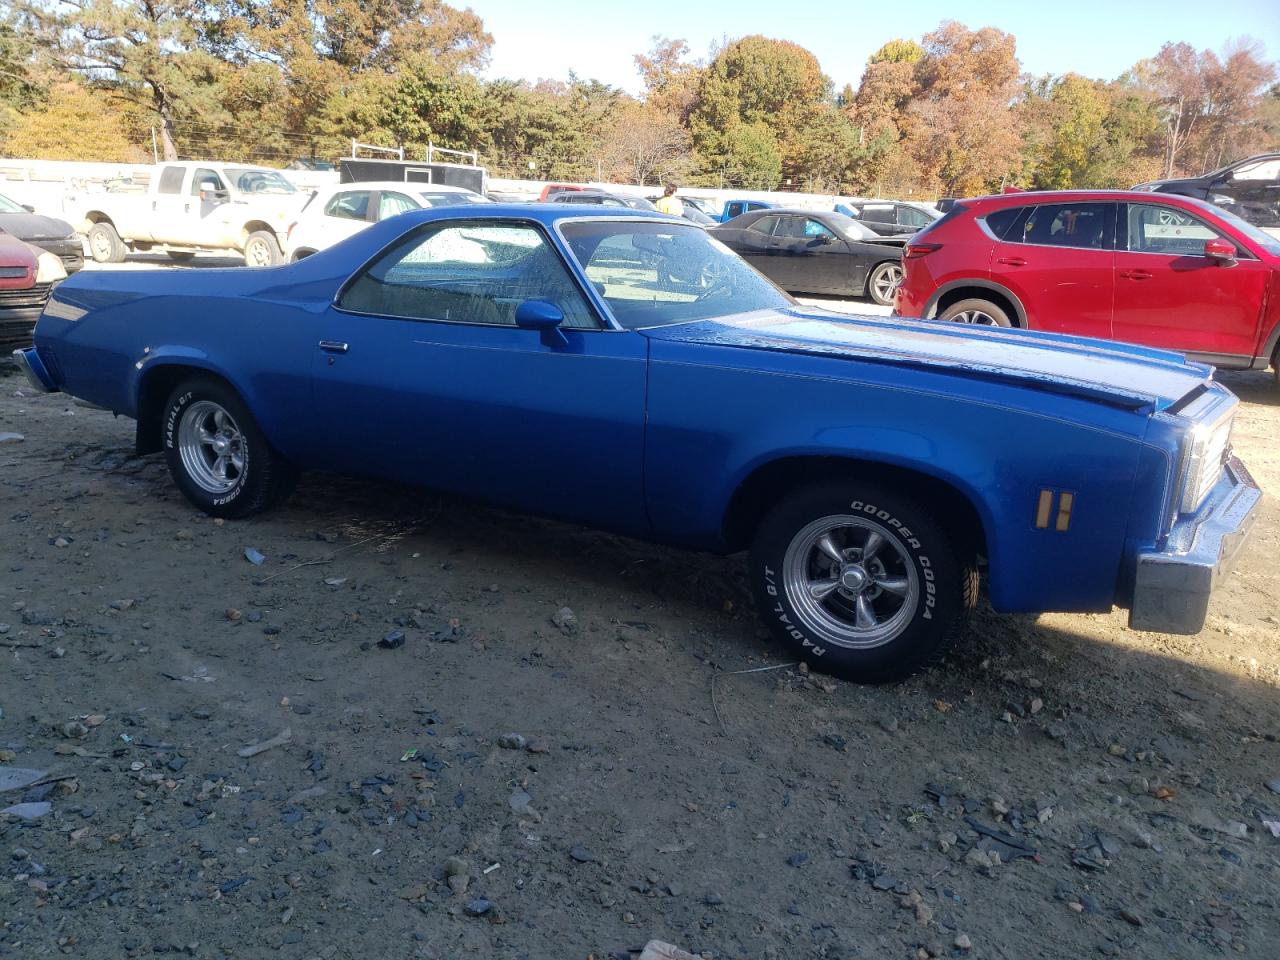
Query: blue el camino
point(626, 371)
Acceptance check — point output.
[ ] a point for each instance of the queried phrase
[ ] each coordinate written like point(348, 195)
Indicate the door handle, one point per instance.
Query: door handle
point(1012, 261)
point(333, 346)
point(1135, 275)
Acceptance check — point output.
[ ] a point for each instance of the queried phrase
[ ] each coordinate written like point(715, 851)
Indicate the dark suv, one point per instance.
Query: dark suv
point(1249, 188)
point(1155, 269)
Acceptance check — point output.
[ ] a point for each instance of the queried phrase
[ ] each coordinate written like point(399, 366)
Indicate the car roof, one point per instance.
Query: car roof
point(544, 213)
point(396, 185)
point(1066, 196)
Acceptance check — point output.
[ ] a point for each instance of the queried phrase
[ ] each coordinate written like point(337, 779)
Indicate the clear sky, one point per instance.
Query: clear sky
point(534, 39)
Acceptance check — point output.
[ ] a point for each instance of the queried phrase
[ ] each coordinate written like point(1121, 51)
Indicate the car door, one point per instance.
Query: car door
point(205, 214)
point(812, 259)
point(1169, 294)
point(753, 241)
point(167, 216)
point(345, 214)
point(421, 374)
point(1057, 259)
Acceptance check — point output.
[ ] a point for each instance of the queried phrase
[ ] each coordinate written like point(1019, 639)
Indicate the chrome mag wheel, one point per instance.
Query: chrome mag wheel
point(975, 317)
point(850, 581)
point(212, 447)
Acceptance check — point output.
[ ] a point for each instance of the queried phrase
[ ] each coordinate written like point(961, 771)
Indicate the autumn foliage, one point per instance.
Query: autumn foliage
point(950, 113)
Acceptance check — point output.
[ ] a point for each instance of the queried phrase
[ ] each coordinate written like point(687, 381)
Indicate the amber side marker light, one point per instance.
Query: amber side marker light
point(1046, 514)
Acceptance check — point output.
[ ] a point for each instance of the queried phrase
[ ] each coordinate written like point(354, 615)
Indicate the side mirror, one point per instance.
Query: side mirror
point(1221, 251)
point(209, 190)
point(544, 317)
point(29, 208)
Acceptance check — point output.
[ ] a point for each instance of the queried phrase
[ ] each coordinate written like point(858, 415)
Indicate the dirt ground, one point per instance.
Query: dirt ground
point(658, 793)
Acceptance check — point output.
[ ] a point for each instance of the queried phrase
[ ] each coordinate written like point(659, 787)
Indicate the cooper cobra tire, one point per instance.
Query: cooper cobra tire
point(859, 582)
point(262, 249)
point(981, 313)
point(105, 245)
point(217, 454)
point(883, 282)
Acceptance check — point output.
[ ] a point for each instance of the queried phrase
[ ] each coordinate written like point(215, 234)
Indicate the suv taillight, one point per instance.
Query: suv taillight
point(914, 251)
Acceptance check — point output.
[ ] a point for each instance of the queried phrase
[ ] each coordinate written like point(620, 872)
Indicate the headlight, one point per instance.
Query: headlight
point(49, 268)
point(1204, 450)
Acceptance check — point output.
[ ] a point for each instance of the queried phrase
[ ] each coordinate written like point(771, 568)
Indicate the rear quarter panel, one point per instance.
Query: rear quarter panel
point(718, 413)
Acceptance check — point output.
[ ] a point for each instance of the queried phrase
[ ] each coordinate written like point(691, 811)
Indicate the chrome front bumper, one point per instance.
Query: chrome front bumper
point(32, 366)
point(1172, 586)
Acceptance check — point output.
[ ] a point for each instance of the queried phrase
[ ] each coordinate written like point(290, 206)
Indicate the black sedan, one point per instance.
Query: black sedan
point(805, 251)
point(47, 233)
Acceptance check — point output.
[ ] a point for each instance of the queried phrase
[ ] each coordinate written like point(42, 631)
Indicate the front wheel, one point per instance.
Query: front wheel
point(217, 454)
point(262, 249)
point(105, 245)
point(858, 581)
point(883, 282)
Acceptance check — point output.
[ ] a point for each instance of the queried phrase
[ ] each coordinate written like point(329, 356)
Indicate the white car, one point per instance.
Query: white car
point(336, 212)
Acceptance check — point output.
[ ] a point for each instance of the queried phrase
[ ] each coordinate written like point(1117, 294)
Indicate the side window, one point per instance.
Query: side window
point(204, 175)
point(764, 225)
point(1262, 170)
point(911, 217)
point(467, 273)
point(878, 214)
point(812, 228)
point(171, 179)
point(390, 204)
point(1151, 228)
point(349, 205)
point(790, 227)
point(1079, 225)
point(999, 222)
point(733, 210)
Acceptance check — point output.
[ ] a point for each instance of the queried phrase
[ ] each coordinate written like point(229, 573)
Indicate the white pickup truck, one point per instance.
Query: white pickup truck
point(190, 207)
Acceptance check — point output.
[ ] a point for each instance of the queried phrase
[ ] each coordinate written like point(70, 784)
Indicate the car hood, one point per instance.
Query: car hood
point(1119, 374)
point(33, 226)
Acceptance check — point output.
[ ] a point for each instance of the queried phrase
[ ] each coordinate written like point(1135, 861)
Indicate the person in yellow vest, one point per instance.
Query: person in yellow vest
point(669, 204)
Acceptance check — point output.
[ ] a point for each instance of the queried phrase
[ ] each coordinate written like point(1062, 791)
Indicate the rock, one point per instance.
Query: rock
point(74, 730)
point(962, 942)
point(279, 740)
point(232, 614)
point(581, 854)
point(15, 778)
point(456, 867)
point(797, 859)
point(537, 745)
point(889, 724)
point(477, 907)
point(660, 950)
point(392, 641)
point(1274, 785)
point(11, 438)
point(978, 859)
point(565, 620)
point(28, 811)
point(520, 801)
point(254, 556)
point(1035, 706)
point(1130, 917)
point(512, 741)
point(414, 891)
point(458, 884)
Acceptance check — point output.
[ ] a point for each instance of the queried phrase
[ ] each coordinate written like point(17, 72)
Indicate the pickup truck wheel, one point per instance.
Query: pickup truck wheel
point(218, 455)
point(105, 245)
point(982, 313)
point(883, 282)
point(858, 581)
point(262, 249)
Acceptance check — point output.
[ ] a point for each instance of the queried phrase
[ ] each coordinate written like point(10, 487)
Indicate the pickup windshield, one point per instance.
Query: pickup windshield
point(255, 180)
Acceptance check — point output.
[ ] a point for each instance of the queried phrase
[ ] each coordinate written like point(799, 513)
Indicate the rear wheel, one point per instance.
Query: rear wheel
point(859, 581)
point(218, 455)
point(980, 313)
point(883, 282)
point(105, 245)
point(262, 249)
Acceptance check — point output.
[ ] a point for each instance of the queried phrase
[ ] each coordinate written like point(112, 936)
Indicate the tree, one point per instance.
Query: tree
point(967, 137)
point(145, 52)
point(670, 78)
point(76, 123)
point(646, 144)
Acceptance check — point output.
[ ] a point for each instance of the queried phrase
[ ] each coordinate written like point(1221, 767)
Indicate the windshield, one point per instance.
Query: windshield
point(658, 274)
point(851, 229)
point(8, 206)
point(1256, 234)
point(254, 180)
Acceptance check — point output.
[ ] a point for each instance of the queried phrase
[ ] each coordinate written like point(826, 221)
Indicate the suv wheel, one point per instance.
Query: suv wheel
point(883, 282)
point(859, 581)
point(982, 313)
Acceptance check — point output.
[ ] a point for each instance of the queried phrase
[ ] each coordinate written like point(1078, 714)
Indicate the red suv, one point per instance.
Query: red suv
point(1160, 270)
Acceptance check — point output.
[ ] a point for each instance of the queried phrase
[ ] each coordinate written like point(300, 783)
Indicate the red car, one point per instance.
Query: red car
point(1160, 270)
point(22, 295)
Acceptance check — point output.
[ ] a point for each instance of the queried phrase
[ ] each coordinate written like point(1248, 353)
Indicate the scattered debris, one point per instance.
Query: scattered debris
point(279, 740)
point(28, 811)
point(254, 557)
